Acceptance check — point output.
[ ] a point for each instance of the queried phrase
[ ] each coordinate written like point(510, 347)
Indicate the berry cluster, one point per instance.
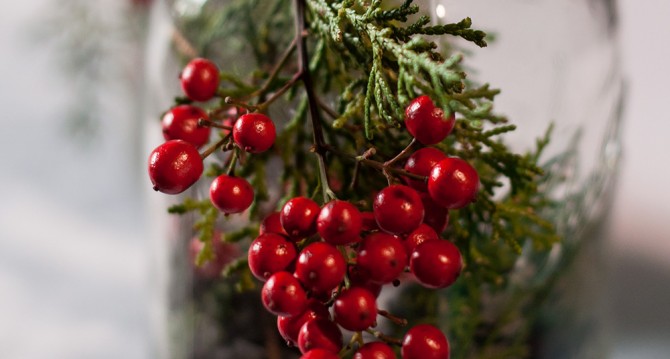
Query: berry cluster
point(323, 266)
point(176, 165)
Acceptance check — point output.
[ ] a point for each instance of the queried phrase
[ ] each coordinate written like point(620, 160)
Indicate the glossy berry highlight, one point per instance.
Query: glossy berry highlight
point(339, 223)
point(320, 267)
point(231, 194)
point(424, 341)
point(426, 122)
point(298, 217)
point(436, 264)
point(398, 209)
point(453, 183)
point(420, 163)
point(200, 79)
point(181, 123)
point(355, 309)
point(270, 253)
point(174, 166)
point(283, 295)
point(254, 132)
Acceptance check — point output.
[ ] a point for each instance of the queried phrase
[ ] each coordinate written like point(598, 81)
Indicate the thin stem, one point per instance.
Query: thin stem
point(215, 146)
point(376, 164)
point(275, 71)
point(303, 66)
point(385, 338)
point(277, 94)
point(395, 319)
point(401, 154)
point(233, 162)
point(207, 123)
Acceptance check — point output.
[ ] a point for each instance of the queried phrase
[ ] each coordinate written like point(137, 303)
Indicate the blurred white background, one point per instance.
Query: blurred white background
point(73, 245)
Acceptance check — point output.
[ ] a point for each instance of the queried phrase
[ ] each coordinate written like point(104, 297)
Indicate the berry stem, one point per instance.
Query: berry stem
point(383, 337)
point(215, 146)
point(303, 66)
point(376, 164)
point(207, 123)
point(395, 319)
point(275, 71)
point(233, 161)
point(277, 94)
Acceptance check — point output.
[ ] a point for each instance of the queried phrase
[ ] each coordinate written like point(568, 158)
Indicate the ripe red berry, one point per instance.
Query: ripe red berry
point(320, 333)
point(289, 327)
point(200, 79)
point(424, 341)
point(435, 216)
point(254, 132)
point(420, 163)
point(339, 223)
point(355, 309)
point(453, 183)
point(270, 253)
point(298, 217)
point(426, 122)
point(283, 295)
point(181, 123)
point(436, 264)
point(174, 166)
point(381, 257)
point(272, 224)
point(320, 267)
point(374, 350)
point(398, 209)
point(422, 234)
point(319, 353)
point(231, 194)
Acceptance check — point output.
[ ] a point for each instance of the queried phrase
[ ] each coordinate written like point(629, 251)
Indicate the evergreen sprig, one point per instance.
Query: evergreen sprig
point(361, 63)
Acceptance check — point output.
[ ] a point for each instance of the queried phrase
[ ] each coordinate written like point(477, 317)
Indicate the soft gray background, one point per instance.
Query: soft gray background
point(73, 243)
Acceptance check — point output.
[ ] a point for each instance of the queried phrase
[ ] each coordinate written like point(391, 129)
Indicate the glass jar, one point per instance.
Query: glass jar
point(556, 63)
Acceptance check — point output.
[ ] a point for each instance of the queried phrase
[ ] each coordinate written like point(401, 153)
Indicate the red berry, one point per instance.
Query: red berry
point(424, 341)
point(374, 350)
point(320, 333)
point(254, 132)
point(174, 166)
point(320, 354)
point(224, 253)
point(426, 122)
point(339, 223)
point(398, 209)
point(381, 257)
point(181, 123)
point(320, 267)
point(420, 163)
point(272, 224)
point(231, 194)
point(270, 253)
point(289, 327)
point(355, 309)
point(422, 234)
point(436, 264)
point(200, 79)
point(453, 183)
point(435, 216)
point(283, 295)
point(298, 217)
